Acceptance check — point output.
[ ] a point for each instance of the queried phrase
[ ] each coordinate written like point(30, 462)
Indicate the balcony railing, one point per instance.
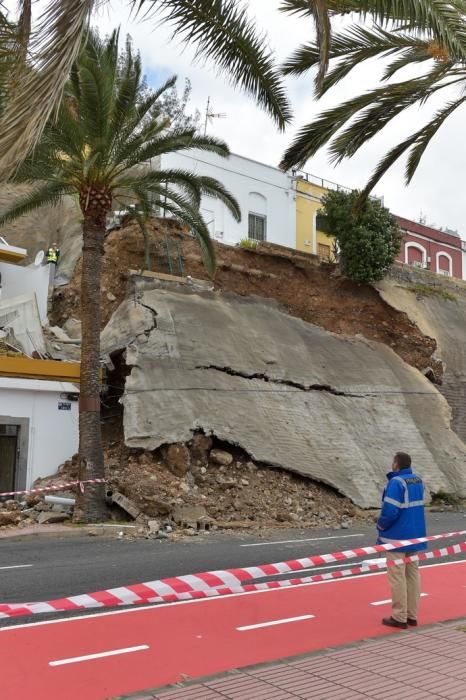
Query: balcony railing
point(326, 184)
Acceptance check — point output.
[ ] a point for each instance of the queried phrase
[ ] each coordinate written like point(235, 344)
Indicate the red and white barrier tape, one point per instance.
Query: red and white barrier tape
point(59, 487)
point(213, 583)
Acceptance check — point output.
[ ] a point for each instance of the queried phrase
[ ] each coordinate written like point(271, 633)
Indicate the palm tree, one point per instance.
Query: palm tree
point(96, 148)
point(429, 33)
point(219, 29)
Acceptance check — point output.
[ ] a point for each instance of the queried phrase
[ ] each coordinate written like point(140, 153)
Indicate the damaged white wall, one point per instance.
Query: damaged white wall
point(21, 317)
point(19, 281)
point(48, 417)
point(289, 393)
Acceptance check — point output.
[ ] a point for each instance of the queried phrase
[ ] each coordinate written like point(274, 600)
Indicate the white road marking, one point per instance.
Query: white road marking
point(101, 655)
point(309, 539)
point(140, 608)
point(378, 560)
point(16, 566)
point(271, 623)
point(386, 602)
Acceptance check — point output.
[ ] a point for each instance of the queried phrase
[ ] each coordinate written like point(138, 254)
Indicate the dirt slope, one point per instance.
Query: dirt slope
point(316, 293)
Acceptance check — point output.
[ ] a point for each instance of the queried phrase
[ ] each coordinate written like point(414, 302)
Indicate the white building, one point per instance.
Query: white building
point(38, 429)
point(38, 398)
point(16, 280)
point(265, 194)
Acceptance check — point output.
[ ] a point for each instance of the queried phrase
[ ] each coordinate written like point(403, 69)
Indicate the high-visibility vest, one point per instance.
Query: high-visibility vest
point(52, 255)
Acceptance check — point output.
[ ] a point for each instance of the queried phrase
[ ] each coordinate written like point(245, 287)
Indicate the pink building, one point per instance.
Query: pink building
point(438, 251)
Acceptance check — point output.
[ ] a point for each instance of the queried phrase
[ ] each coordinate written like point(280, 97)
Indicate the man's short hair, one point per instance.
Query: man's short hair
point(403, 460)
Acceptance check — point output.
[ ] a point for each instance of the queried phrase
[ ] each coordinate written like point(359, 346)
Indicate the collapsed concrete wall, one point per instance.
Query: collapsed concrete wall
point(290, 393)
point(438, 307)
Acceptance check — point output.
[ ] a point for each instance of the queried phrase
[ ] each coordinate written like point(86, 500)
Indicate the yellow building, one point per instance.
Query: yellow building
point(309, 193)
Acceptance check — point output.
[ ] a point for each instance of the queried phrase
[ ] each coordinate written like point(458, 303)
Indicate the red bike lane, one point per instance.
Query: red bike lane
point(100, 656)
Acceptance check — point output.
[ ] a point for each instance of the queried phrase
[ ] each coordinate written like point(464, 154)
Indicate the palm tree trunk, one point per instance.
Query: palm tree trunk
point(90, 505)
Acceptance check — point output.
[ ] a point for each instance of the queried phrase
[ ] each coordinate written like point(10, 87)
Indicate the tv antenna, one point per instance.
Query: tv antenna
point(210, 116)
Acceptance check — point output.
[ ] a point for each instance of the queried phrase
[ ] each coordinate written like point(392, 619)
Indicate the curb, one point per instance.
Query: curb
point(48, 531)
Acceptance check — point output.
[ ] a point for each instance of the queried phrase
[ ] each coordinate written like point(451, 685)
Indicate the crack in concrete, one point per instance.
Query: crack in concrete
point(148, 331)
point(284, 382)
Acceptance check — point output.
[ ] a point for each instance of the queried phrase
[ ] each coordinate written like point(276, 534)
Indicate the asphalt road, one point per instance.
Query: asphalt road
point(43, 569)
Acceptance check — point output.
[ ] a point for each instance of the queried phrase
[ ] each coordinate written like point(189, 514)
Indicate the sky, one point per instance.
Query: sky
point(436, 190)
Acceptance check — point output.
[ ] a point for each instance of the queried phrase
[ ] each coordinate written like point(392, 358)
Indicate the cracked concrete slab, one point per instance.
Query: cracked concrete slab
point(441, 318)
point(291, 394)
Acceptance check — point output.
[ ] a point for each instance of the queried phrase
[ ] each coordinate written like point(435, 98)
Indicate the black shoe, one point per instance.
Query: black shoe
point(391, 622)
point(412, 622)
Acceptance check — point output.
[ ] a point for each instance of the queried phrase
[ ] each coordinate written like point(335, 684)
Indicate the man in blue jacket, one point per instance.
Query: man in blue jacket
point(403, 518)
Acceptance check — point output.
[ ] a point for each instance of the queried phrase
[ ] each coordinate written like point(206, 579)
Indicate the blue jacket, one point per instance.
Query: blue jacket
point(402, 516)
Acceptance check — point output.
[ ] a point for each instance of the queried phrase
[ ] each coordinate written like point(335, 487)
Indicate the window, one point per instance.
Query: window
point(323, 251)
point(257, 228)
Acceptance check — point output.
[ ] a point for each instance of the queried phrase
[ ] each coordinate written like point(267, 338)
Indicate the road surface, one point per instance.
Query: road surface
point(99, 655)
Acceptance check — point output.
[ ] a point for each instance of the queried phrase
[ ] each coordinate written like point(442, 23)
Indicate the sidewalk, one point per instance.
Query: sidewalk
point(424, 664)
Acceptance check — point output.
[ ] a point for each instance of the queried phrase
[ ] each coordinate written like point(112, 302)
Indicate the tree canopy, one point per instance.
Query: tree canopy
point(368, 242)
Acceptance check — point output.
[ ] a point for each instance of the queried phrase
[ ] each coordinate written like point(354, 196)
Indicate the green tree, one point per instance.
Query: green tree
point(368, 242)
point(407, 33)
point(220, 30)
point(95, 149)
point(174, 106)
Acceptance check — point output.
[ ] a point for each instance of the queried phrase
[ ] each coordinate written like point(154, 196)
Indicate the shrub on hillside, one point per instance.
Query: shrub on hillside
point(368, 240)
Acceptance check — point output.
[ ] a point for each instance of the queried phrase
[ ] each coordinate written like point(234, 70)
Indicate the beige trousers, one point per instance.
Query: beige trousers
point(405, 584)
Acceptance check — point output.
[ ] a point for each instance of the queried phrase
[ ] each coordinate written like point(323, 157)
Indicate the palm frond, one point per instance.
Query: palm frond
point(213, 188)
point(352, 46)
point(50, 193)
point(418, 143)
point(384, 102)
point(387, 104)
point(437, 18)
point(321, 16)
point(52, 49)
point(157, 180)
point(425, 136)
point(221, 31)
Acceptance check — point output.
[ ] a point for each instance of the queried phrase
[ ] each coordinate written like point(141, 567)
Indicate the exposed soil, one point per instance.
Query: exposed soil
point(315, 292)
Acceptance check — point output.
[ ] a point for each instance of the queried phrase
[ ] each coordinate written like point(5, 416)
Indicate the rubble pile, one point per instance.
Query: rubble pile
point(204, 485)
point(33, 510)
point(191, 488)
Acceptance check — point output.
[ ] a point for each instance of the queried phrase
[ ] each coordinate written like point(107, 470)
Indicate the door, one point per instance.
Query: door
point(8, 456)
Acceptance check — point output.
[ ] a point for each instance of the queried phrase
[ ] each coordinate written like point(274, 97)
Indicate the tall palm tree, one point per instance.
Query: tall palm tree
point(430, 33)
point(219, 29)
point(105, 130)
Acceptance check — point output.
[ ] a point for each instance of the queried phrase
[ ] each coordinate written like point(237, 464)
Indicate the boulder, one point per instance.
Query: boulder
point(177, 459)
point(154, 526)
point(200, 446)
point(73, 328)
point(9, 517)
point(221, 457)
point(52, 517)
point(189, 514)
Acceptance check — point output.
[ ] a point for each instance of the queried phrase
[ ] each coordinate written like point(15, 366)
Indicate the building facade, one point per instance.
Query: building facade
point(283, 208)
point(309, 191)
point(265, 195)
point(38, 428)
point(441, 252)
